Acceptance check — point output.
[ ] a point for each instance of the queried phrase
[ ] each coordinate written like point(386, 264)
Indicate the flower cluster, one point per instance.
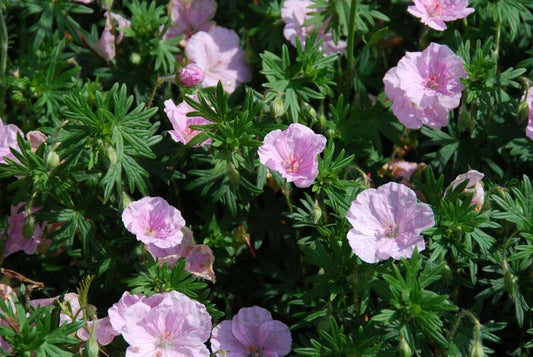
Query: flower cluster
point(295, 13)
point(293, 153)
point(435, 13)
point(425, 86)
point(387, 223)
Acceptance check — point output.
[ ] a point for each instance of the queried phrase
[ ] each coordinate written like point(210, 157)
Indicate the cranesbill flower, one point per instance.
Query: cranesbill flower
point(435, 13)
point(425, 86)
point(474, 186)
point(199, 257)
point(106, 43)
point(293, 153)
point(190, 16)
point(8, 139)
point(295, 13)
point(154, 221)
point(165, 324)
point(181, 123)
point(387, 223)
point(15, 237)
point(218, 55)
point(251, 332)
point(403, 169)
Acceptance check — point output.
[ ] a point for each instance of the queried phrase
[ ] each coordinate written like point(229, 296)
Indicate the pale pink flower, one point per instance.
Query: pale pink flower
point(251, 332)
point(190, 16)
point(165, 324)
point(84, 1)
point(387, 223)
point(425, 86)
point(402, 169)
point(154, 221)
point(435, 13)
point(106, 43)
point(15, 236)
point(293, 153)
point(191, 75)
point(295, 13)
point(529, 128)
point(8, 139)
point(199, 257)
point(181, 123)
point(218, 55)
point(474, 186)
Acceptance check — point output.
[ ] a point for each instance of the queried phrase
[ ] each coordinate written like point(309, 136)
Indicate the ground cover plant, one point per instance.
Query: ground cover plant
point(266, 178)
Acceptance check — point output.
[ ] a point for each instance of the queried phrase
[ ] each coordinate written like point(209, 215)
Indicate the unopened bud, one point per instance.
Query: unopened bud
point(477, 350)
point(278, 107)
point(405, 349)
point(29, 227)
point(135, 58)
point(191, 75)
point(112, 155)
point(511, 282)
point(91, 347)
point(317, 213)
point(52, 159)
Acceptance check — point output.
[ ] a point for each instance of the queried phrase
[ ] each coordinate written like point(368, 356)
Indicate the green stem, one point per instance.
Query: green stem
point(3, 59)
point(157, 84)
point(498, 36)
point(351, 43)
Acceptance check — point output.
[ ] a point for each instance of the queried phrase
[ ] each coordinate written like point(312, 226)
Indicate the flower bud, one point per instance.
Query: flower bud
point(317, 213)
point(91, 346)
point(191, 75)
point(477, 350)
point(278, 107)
point(511, 283)
point(52, 159)
point(405, 349)
point(29, 227)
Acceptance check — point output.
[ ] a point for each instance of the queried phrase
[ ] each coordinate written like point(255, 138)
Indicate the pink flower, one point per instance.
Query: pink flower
point(190, 16)
point(293, 153)
point(191, 75)
point(181, 132)
point(106, 43)
point(15, 236)
point(199, 257)
point(474, 186)
point(165, 324)
point(402, 169)
point(295, 13)
point(8, 139)
point(218, 55)
point(425, 86)
point(435, 13)
point(529, 128)
point(154, 221)
point(387, 222)
point(251, 332)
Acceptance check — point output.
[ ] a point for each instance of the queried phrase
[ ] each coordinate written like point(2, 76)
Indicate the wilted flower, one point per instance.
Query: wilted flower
point(103, 331)
point(295, 13)
point(106, 43)
point(154, 221)
point(251, 332)
point(529, 128)
point(181, 123)
point(387, 223)
point(218, 55)
point(425, 86)
point(15, 232)
point(36, 138)
point(474, 186)
point(191, 75)
point(190, 16)
point(164, 324)
point(8, 139)
point(403, 169)
point(199, 257)
point(293, 153)
point(435, 13)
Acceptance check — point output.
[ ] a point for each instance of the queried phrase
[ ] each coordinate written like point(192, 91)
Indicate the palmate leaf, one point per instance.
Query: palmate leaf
point(107, 133)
